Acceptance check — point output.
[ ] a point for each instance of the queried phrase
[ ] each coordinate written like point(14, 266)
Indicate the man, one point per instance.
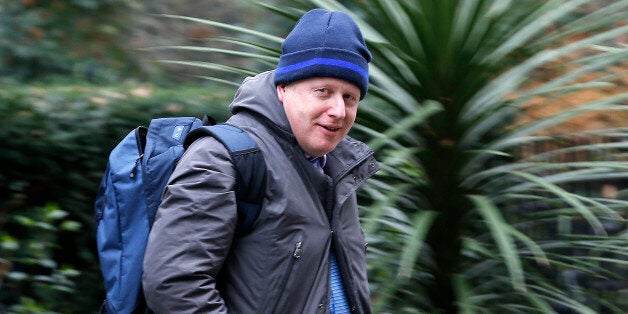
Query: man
point(306, 251)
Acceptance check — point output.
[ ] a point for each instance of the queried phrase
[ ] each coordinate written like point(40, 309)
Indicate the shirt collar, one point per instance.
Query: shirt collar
point(318, 162)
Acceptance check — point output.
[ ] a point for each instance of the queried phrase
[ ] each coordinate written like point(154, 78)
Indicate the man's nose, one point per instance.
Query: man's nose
point(337, 107)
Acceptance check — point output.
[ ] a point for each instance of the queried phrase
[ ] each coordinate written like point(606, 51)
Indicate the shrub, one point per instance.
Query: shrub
point(55, 143)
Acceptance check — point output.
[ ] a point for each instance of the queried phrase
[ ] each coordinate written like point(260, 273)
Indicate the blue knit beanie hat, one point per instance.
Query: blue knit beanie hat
point(325, 44)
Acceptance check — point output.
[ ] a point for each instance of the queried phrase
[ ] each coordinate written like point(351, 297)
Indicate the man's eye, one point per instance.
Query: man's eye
point(350, 97)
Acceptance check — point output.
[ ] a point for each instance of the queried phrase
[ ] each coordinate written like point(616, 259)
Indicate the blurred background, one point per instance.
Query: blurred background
point(501, 127)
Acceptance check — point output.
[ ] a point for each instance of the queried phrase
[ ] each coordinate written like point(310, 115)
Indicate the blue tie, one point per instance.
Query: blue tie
point(337, 298)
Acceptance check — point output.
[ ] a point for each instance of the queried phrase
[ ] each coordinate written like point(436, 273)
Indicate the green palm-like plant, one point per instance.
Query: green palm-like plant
point(462, 218)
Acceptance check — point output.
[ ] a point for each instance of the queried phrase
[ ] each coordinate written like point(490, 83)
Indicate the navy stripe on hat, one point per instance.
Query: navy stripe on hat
point(324, 61)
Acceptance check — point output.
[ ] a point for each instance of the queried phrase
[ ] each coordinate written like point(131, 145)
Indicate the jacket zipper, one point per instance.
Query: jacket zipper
point(296, 254)
point(347, 281)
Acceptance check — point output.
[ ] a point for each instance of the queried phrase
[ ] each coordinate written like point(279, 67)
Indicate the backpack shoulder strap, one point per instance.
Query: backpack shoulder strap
point(249, 164)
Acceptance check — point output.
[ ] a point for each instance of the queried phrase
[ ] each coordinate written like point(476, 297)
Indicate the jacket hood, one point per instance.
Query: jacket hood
point(258, 94)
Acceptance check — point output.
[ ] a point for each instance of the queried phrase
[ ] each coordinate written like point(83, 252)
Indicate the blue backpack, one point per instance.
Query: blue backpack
point(131, 188)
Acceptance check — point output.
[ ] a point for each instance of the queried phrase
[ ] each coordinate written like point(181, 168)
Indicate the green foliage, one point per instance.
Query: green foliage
point(485, 250)
point(43, 38)
point(56, 140)
point(27, 244)
point(467, 215)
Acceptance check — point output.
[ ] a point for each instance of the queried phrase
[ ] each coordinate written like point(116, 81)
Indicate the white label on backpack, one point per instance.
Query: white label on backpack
point(178, 130)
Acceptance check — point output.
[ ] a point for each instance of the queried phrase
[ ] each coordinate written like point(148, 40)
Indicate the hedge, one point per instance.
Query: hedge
point(55, 143)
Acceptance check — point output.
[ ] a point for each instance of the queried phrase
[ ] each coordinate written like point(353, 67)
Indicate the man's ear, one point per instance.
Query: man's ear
point(281, 90)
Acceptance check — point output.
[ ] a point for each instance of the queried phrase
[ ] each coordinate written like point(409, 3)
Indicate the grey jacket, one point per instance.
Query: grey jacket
point(195, 263)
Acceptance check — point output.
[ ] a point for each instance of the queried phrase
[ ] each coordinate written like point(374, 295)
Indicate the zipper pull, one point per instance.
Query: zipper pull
point(297, 250)
point(137, 163)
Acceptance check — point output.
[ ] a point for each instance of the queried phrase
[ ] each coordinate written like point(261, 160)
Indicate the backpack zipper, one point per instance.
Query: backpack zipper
point(140, 140)
point(137, 163)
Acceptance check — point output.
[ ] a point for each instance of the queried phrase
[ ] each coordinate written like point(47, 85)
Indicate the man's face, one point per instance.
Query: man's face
point(321, 111)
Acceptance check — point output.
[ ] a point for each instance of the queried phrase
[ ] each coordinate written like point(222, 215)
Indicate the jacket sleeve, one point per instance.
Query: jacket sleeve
point(192, 233)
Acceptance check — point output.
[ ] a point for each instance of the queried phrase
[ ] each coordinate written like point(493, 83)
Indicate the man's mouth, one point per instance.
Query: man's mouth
point(331, 128)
